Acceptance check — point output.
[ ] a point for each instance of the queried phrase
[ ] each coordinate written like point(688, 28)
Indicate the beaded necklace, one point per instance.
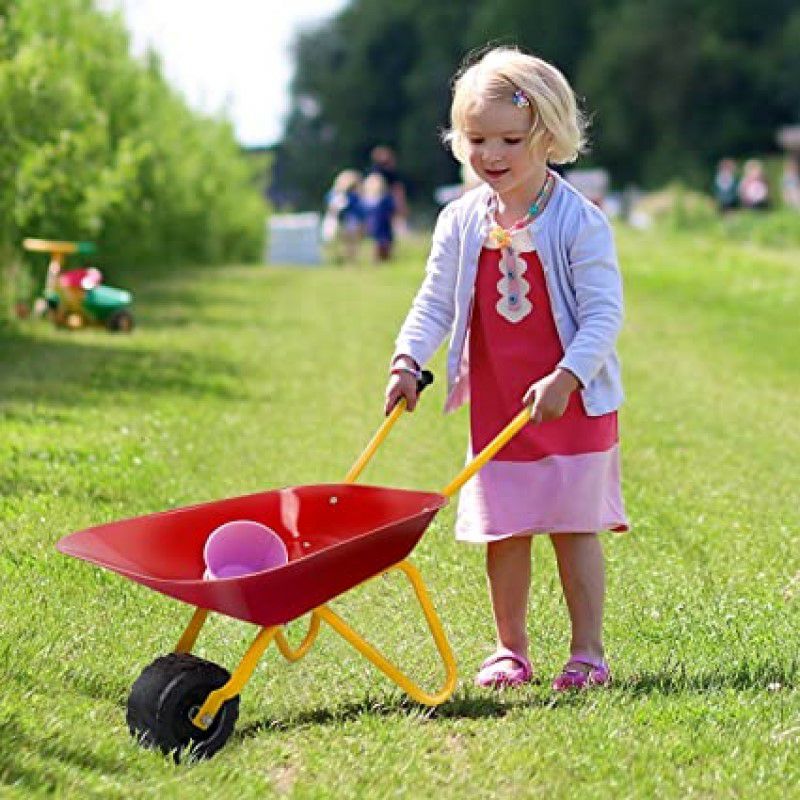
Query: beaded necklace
point(514, 303)
point(501, 235)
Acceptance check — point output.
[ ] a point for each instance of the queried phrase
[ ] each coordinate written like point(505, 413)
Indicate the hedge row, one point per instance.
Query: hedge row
point(94, 144)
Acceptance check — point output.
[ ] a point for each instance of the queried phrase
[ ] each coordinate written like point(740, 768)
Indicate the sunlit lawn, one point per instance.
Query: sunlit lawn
point(243, 378)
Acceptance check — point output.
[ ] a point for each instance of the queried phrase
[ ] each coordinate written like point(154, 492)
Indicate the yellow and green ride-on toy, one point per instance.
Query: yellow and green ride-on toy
point(77, 298)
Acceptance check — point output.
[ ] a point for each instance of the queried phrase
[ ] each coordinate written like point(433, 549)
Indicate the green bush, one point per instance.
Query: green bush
point(679, 208)
point(779, 228)
point(684, 210)
point(94, 144)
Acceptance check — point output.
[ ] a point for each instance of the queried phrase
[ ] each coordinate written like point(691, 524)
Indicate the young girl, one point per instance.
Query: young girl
point(343, 225)
point(379, 209)
point(523, 275)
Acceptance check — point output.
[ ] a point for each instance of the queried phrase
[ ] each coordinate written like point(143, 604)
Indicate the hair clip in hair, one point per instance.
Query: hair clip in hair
point(520, 99)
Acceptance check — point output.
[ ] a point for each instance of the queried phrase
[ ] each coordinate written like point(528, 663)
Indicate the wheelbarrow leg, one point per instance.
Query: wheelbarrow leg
point(205, 715)
point(383, 664)
point(305, 646)
point(241, 675)
point(189, 636)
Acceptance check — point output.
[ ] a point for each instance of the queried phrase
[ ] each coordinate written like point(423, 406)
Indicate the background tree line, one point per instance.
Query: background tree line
point(670, 85)
point(94, 144)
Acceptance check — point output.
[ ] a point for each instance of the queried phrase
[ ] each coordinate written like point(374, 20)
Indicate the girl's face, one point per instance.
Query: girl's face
point(498, 149)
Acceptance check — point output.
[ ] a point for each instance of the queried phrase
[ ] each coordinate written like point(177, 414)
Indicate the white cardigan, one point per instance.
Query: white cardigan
point(576, 248)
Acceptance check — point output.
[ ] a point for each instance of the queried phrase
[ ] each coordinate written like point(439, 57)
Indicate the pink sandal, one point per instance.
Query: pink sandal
point(491, 674)
point(572, 677)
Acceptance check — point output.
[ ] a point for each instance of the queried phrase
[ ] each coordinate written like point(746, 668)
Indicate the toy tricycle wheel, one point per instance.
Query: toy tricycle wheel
point(120, 322)
point(166, 696)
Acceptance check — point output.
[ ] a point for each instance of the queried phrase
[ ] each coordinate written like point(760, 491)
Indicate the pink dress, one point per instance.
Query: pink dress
point(558, 476)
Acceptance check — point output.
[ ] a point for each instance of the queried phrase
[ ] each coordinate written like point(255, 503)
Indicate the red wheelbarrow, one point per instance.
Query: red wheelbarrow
point(337, 536)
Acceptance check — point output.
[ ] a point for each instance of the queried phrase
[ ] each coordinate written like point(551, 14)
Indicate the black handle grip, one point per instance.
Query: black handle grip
point(425, 379)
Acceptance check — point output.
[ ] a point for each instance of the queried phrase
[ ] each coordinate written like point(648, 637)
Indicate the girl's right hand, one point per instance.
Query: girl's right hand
point(401, 384)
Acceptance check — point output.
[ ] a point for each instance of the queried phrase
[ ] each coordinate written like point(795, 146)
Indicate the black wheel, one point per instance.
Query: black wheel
point(120, 322)
point(167, 695)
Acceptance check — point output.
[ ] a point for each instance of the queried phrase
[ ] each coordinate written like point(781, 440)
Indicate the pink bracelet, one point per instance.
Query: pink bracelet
point(410, 370)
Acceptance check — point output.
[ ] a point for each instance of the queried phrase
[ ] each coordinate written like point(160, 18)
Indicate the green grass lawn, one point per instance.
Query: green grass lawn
point(243, 378)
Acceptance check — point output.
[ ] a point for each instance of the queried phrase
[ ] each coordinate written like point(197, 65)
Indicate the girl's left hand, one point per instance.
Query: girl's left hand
point(549, 396)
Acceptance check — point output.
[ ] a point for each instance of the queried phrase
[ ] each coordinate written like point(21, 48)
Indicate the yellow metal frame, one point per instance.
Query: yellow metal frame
point(205, 715)
point(241, 675)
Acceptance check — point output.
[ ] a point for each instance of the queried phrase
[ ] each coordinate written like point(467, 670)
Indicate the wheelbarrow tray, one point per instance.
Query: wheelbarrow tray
point(337, 536)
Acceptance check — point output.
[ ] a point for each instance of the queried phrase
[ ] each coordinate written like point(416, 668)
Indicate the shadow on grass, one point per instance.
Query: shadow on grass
point(73, 372)
point(469, 706)
point(740, 676)
point(61, 367)
point(169, 301)
point(65, 369)
point(16, 743)
point(98, 687)
point(78, 680)
point(464, 706)
point(173, 308)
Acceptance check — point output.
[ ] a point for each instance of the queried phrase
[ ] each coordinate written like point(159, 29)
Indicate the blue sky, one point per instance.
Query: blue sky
point(230, 56)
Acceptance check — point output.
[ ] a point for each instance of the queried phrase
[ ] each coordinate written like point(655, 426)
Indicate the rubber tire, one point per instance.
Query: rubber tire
point(120, 322)
point(164, 696)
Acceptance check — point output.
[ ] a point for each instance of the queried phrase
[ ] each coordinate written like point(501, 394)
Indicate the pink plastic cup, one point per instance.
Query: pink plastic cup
point(242, 547)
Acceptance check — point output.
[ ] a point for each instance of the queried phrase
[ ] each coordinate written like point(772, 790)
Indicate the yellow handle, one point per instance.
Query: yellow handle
point(375, 442)
point(491, 449)
point(49, 246)
point(497, 444)
point(424, 379)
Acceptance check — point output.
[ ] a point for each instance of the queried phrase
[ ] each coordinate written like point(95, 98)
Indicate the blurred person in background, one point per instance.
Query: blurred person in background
point(379, 208)
point(384, 162)
point(753, 188)
point(790, 185)
point(343, 224)
point(726, 185)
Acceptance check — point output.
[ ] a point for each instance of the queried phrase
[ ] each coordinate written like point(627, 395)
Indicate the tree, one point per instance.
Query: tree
point(679, 83)
point(347, 93)
point(670, 85)
point(94, 144)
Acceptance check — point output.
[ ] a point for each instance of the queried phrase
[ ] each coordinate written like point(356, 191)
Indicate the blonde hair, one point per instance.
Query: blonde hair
point(374, 186)
point(556, 120)
point(347, 180)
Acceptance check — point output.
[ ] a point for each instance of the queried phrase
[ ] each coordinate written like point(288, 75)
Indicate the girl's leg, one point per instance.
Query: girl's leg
point(508, 567)
point(582, 571)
